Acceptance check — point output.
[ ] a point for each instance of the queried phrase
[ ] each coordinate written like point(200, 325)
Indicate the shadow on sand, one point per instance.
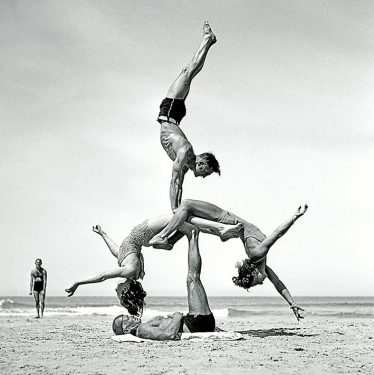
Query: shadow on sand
point(275, 332)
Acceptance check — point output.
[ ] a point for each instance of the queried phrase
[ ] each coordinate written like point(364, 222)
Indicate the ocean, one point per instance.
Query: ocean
point(222, 307)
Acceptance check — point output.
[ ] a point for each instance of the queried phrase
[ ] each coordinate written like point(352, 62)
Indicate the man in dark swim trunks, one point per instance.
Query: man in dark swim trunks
point(198, 319)
point(38, 287)
point(173, 140)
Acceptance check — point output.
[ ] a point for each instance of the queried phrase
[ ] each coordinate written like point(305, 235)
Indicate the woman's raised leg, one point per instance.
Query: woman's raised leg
point(258, 252)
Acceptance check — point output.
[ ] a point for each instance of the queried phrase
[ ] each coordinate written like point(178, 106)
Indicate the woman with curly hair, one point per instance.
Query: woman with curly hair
point(131, 261)
point(252, 271)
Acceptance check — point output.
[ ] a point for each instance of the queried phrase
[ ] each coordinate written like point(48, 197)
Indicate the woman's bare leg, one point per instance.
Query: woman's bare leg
point(258, 252)
point(181, 86)
point(224, 231)
point(111, 245)
point(192, 208)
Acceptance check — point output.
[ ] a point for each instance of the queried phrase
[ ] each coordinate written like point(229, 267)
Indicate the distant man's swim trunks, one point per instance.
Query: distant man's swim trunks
point(172, 110)
point(200, 323)
point(38, 286)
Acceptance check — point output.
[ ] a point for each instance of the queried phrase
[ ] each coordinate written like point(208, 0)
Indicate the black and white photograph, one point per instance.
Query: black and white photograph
point(186, 187)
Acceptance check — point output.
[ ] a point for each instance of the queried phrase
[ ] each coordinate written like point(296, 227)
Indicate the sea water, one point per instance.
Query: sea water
point(222, 307)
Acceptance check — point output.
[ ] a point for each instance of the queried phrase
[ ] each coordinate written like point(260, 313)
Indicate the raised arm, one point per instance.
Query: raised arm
point(125, 272)
point(113, 247)
point(283, 291)
point(167, 329)
point(177, 177)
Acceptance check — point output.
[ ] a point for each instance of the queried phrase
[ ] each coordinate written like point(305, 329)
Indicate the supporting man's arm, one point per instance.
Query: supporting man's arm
point(180, 192)
point(177, 177)
point(283, 291)
point(166, 330)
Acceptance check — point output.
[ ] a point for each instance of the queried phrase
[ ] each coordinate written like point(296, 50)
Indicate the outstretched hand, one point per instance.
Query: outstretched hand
point(301, 211)
point(97, 229)
point(71, 290)
point(296, 310)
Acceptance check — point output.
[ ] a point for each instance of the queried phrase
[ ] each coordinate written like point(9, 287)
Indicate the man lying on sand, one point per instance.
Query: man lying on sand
point(198, 319)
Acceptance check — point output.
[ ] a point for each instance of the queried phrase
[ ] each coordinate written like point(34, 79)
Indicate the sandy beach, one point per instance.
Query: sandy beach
point(83, 345)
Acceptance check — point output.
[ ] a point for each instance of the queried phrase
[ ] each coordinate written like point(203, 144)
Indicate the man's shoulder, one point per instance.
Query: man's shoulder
point(186, 153)
point(186, 147)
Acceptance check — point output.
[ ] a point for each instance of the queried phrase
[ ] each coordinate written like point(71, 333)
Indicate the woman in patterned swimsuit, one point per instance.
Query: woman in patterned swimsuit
point(129, 256)
point(253, 270)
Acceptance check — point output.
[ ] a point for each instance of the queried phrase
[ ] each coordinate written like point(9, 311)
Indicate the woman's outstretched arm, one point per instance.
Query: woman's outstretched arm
point(124, 272)
point(283, 291)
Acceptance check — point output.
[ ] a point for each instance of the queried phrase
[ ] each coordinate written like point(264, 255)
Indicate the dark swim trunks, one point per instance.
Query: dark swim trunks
point(174, 109)
point(200, 323)
point(38, 286)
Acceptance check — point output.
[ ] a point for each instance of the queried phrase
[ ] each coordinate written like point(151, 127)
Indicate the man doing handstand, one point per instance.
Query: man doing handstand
point(173, 140)
point(198, 319)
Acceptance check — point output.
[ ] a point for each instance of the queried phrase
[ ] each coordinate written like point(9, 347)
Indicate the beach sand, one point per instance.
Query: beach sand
point(83, 345)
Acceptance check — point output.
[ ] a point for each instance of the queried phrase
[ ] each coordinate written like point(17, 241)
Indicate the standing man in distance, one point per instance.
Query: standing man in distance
point(38, 287)
point(173, 140)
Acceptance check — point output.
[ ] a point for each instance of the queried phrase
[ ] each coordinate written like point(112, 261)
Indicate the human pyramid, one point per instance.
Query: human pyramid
point(190, 217)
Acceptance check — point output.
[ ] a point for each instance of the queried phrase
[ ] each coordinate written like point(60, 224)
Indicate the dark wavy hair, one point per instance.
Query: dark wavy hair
point(133, 298)
point(245, 274)
point(211, 161)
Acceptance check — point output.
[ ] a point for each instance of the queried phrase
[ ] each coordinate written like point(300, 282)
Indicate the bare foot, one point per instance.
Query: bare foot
point(208, 33)
point(71, 290)
point(300, 211)
point(230, 231)
point(97, 229)
point(158, 241)
point(164, 246)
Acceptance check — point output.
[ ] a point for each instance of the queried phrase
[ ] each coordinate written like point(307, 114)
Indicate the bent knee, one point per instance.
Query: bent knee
point(187, 204)
point(258, 252)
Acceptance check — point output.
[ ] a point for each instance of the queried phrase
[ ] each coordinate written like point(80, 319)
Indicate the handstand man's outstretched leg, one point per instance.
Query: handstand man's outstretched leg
point(172, 108)
point(181, 86)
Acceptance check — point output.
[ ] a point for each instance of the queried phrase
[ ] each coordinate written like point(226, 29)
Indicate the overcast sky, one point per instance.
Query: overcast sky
point(285, 101)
